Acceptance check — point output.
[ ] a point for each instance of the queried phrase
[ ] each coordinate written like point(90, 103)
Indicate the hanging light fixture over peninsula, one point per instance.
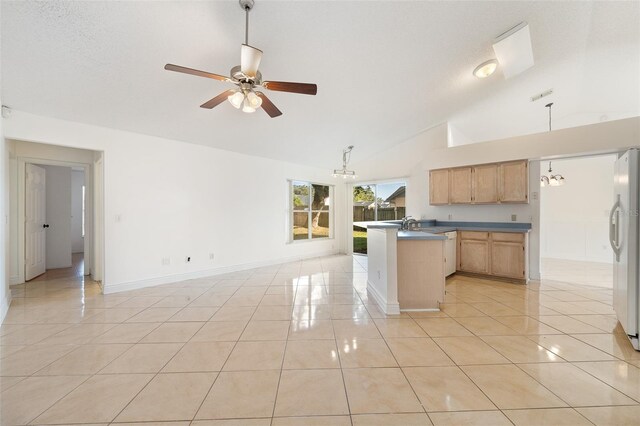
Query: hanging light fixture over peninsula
point(346, 156)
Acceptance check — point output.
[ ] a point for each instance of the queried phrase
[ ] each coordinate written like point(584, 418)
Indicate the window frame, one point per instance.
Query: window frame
point(310, 210)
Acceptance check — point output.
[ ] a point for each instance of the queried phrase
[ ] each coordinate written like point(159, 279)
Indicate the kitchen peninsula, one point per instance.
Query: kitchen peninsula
point(406, 268)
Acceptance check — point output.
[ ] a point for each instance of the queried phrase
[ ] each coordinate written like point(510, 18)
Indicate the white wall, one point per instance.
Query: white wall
point(165, 198)
point(574, 217)
point(58, 216)
point(413, 159)
point(77, 241)
point(5, 294)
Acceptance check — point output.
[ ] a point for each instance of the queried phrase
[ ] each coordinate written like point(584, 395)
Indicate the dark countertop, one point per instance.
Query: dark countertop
point(433, 230)
point(441, 229)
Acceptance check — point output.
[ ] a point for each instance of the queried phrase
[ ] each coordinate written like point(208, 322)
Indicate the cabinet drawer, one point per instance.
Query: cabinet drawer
point(516, 237)
point(474, 235)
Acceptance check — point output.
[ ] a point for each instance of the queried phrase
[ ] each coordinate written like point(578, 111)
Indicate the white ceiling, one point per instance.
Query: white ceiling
point(385, 70)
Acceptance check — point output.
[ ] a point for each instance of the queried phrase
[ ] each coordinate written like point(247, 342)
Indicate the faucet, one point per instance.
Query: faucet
point(406, 222)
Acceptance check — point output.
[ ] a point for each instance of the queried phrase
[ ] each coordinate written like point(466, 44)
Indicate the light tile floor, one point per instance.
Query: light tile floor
point(302, 344)
point(597, 274)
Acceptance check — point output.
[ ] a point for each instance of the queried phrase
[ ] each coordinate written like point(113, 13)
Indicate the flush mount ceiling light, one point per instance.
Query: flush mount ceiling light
point(513, 50)
point(551, 180)
point(247, 77)
point(486, 68)
point(346, 156)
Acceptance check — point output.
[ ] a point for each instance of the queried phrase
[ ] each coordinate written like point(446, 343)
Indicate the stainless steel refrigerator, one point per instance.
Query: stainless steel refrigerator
point(624, 226)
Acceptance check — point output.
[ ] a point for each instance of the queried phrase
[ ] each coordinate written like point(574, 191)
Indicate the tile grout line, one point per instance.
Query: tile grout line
point(337, 345)
point(284, 353)
point(160, 370)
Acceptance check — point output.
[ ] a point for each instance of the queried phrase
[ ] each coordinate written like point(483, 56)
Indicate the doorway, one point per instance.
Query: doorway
point(574, 220)
point(55, 237)
point(375, 202)
point(55, 221)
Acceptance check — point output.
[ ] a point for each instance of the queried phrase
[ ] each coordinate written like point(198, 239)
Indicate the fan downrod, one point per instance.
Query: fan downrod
point(246, 4)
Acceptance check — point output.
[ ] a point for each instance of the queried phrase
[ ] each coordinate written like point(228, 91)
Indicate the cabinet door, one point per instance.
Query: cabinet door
point(514, 179)
point(507, 259)
point(474, 256)
point(460, 186)
point(485, 183)
point(439, 187)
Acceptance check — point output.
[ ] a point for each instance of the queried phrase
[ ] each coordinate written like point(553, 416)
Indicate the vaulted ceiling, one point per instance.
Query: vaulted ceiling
point(385, 70)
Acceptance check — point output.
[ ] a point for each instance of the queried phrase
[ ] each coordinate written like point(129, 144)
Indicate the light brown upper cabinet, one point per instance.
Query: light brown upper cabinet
point(513, 182)
point(485, 183)
point(460, 189)
point(439, 187)
point(493, 183)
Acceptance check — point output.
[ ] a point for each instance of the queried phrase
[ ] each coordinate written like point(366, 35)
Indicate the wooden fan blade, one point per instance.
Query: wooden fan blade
point(285, 86)
point(178, 68)
point(268, 106)
point(217, 100)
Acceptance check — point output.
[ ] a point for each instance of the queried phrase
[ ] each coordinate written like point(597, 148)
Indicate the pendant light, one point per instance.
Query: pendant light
point(346, 156)
point(551, 180)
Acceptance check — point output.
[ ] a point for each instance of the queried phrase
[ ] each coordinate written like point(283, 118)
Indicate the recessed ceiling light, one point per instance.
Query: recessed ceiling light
point(485, 69)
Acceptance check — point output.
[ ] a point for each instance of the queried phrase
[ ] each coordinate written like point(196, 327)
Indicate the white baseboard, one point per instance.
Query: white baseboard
point(168, 279)
point(15, 280)
point(387, 308)
point(4, 306)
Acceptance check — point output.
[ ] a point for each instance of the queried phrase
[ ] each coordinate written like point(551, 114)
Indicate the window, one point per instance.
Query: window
point(310, 211)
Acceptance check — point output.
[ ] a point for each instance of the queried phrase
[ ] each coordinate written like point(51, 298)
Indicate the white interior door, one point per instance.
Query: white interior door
point(35, 226)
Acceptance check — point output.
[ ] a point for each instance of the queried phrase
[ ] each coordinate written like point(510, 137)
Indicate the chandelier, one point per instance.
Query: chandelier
point(551, 180)
point(346, 156)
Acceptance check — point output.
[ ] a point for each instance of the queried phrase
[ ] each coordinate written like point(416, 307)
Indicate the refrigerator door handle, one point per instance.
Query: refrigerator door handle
point(613, 229)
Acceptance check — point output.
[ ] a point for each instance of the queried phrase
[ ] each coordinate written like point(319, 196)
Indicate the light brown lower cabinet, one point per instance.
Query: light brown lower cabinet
point(499, 254)
point(474, 256)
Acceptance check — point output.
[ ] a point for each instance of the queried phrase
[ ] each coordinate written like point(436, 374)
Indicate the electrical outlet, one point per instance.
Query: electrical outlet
point(514, 217)
point(211, 256)
point(450, 216)
point(378, 274)
point(166, 261)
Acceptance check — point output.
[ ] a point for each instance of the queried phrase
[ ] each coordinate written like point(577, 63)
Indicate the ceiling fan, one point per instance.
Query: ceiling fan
point(247, 77)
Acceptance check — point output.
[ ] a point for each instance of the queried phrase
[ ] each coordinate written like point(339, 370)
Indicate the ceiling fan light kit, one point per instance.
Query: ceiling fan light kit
point(247, 77)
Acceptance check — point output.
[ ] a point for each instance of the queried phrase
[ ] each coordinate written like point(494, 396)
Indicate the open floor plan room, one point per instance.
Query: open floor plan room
point(319, 213)
point(301, 343)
